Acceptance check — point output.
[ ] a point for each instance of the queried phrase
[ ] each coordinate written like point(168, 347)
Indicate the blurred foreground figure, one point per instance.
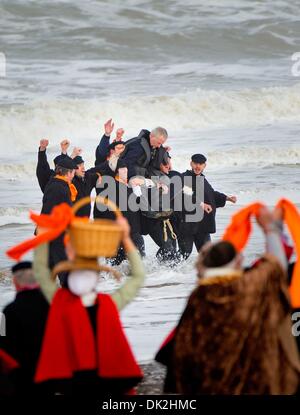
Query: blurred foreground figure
point(235, 336)
point(85, 351)
point(25, 320)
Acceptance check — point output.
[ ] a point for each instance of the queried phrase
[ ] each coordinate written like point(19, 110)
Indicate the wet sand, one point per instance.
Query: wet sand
point(152, 384)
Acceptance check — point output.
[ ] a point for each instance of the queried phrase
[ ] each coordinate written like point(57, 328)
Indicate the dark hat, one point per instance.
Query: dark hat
point(78, 160)
point(121, 163)
point(58, 158)
point(21, 265)
point(67, 163)
point(114, 144)
point(198, 158)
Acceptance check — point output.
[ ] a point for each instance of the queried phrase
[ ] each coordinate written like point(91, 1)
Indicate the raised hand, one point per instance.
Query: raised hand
point(231, 199)
point(64, 145)
point(137, 181)
point(278, 214)
point(76, 152)
point(108, 127)
point(44, 144)
point(119, 134)
point(265, 219)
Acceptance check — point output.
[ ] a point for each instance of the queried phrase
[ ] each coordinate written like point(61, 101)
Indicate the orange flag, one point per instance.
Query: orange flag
point(240, 228)
point(59, 219)
point(292, 219)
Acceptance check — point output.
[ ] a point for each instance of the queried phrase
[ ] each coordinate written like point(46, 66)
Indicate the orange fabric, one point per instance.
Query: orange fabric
point(60, 217)
point(240, 228)
point(72, 188)
point(292, 220)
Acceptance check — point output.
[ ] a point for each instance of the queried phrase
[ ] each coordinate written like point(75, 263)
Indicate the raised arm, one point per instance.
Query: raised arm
point(42, 272)
point(102, 149)
point(272, 226)
point(43, 171)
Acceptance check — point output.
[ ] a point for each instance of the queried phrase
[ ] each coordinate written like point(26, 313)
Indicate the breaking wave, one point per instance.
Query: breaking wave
point(21, 127)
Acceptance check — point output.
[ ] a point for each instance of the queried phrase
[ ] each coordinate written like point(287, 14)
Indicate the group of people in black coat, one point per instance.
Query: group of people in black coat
point(139, 170)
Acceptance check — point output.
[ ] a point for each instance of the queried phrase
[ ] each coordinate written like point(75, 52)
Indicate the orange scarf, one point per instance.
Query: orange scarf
point(240, 228)
point(56, 223)
point(72, 188)
point(292, 220)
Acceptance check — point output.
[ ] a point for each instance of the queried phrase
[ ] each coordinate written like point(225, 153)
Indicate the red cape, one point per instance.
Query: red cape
point(7, 363)
point(69, 342)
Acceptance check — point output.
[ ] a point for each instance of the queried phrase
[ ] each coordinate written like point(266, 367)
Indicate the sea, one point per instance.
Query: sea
point(223, 77)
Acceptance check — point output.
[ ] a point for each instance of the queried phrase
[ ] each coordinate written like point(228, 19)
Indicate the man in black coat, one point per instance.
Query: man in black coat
point(118, 191)
point(158, 220)
point(85, 181)
point(142, 152)
point(103, 150)
point(25, 320)
point(198, 233)
point(43, 170)
point(59, 189)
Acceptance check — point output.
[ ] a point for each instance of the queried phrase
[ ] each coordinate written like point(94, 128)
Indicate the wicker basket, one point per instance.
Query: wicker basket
point(97, 238)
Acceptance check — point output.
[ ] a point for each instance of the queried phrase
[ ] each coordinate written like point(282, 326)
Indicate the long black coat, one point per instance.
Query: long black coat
point(120, 198)
point(25, 320)
point(211, 197)
point(56, 192)
point(85, 185)
point(43, 171)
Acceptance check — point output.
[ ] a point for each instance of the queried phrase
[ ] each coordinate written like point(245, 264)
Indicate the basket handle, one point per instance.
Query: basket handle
point(85, 200)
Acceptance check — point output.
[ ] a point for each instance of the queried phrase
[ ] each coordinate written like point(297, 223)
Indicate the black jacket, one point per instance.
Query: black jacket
point(102, 151)
point(140, 157)
point(43, 171)
point(56, 192)
point(85, 186)
point(25, 320)
point(211, 197)
point(120, 197)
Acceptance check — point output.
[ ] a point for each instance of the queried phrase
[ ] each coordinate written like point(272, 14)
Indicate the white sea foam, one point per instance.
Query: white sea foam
point(22, 127)
point(14, 215)
point(259, 156)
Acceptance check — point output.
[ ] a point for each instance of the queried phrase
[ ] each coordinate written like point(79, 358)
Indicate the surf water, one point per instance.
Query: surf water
point(217, 75)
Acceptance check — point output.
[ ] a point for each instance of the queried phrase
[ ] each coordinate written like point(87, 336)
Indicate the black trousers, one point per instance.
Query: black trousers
point(57, 254)
point(167, 248)
point(187, 238)
point(138, 240)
